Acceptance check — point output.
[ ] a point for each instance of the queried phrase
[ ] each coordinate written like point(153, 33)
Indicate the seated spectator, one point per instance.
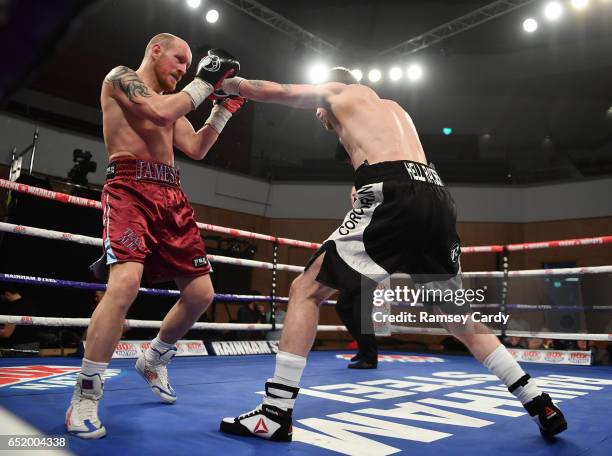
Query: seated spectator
point(535, 343)
point(565, 344)
point(15, 339)
point(549, 344)
point(514, 342)
point(516, 324)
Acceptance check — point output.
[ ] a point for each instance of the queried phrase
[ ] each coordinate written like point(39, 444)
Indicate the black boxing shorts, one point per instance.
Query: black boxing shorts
point(403, 220)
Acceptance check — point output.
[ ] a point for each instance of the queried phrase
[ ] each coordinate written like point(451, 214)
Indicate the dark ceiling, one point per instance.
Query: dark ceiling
point(523, 108)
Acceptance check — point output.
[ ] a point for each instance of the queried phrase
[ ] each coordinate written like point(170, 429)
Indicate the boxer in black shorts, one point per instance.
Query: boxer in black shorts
point(403, 220)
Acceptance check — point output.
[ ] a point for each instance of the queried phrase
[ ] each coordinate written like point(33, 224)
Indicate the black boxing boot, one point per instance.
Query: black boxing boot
point(547, 415)
point(266, 421)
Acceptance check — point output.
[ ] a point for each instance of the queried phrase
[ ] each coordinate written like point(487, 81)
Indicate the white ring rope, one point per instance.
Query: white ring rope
point(84, 322)
point(528, 334)
point(152, 324)
point(87, 240)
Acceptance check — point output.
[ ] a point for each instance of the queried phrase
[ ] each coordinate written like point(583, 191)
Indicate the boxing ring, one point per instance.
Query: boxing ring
point(413, 403)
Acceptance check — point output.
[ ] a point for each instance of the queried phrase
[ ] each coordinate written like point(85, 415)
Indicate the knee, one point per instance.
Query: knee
point(306, 288)
point(127, 282)
point(297, 287)
point(122, 288)
point(199, 300)
point(207, 298)
point(294, 286)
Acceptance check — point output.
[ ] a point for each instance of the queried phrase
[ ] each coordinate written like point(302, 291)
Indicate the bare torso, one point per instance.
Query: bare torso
point(374, 129)
point(128, 136)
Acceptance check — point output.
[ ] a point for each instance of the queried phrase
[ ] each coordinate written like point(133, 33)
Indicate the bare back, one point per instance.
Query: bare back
point(374, 129)
point(127, 135)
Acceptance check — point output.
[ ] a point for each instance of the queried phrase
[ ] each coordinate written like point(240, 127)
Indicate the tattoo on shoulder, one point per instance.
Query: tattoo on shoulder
point(256, 83)
point(128, 81)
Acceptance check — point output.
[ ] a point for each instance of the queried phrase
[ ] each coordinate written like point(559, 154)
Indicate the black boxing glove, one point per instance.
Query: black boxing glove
point(215, 67)
point(210, 73)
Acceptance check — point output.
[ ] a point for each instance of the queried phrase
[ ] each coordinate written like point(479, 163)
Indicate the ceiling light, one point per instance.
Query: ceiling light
point(317, 73)
point(580, 4)
point(530, 25)
point(553, 11)
point(374, 75)
point(212, 16)
point(395, 73)
point(415, 72)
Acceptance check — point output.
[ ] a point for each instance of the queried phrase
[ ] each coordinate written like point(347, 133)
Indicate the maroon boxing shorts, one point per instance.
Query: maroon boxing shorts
point(147, 219)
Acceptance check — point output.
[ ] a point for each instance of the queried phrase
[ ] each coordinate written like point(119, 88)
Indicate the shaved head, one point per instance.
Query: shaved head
point(165, 40)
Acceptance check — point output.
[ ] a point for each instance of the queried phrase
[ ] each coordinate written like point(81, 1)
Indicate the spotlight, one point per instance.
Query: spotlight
point(395, 73)
point(374, 75)
point(447, 131)
point(415, 72)
point(212, 16)
point(317, 73)
point(194, 3)
point(553, 11)
point(580, 4)
point(357, 73)
point(530, 25)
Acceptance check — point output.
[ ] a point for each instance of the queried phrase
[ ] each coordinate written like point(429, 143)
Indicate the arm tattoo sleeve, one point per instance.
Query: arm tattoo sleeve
point(128, 81)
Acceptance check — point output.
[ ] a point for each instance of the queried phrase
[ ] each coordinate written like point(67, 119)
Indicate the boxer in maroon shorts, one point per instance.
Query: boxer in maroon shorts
point(147, 219)
point(148, 223)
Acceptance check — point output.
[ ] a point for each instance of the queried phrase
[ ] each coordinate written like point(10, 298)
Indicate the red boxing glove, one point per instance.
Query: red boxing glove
point(232, 103)
point(222, 111)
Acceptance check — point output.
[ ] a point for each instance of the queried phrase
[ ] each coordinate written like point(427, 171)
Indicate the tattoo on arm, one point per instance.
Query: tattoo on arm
point(256, 83)
point(261, 84)
point(128, 81)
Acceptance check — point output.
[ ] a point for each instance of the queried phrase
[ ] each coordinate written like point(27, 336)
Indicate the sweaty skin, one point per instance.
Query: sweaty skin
point(370, 128)
point(141, 122)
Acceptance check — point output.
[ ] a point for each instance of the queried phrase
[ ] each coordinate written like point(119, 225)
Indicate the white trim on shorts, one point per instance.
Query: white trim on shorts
point(348, 237)
point(108, 250)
